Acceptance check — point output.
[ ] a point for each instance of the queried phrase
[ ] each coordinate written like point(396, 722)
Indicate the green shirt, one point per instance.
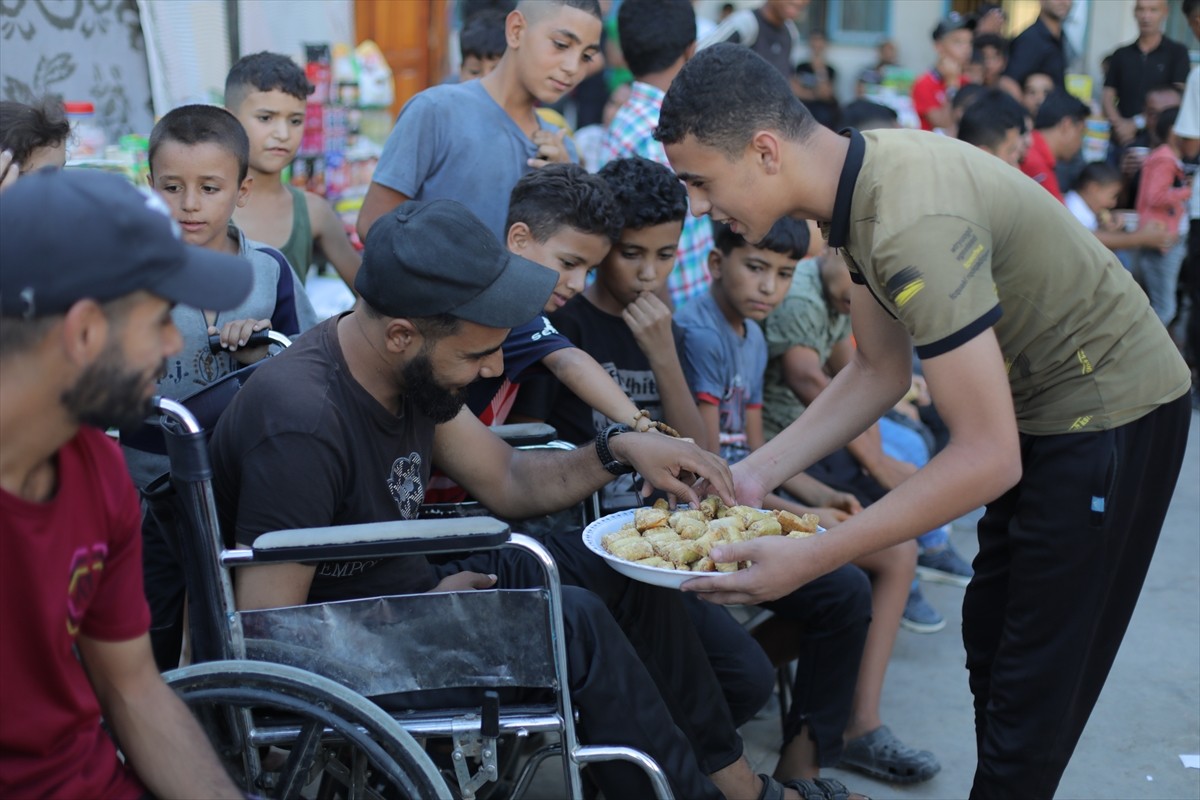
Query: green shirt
point(951, 240)
point(803, 319)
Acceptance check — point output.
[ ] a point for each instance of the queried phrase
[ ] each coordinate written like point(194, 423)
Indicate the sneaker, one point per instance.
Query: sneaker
point(881, 755)
point(920, 616)
point(944, 565)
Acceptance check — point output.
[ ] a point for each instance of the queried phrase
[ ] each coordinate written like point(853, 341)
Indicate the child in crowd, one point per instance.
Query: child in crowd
point(198, 166)
point(933, 93)
point(32, 137)
point(563, 218)
point(1034, 90)
point(481, 43)
point(724, 350)
point(267, 92)
point(621, 322)
point(472, 141)
point(657, 39)
point(1092, 199)
point(1162, 198)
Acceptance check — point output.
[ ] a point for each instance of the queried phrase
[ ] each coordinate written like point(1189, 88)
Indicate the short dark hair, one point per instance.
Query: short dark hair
point(967, 95)
point(988, 119)
point(265, 72)
point(1097, 172)
point(197, 124)
point(647, 192)
point(564, 195)
point(25, 128)
point(654, 34)
point(483, 34)
point(1166, 121)
point(1057, 106)
point(434, 327)
point(590, 6)
point(726, 93)
point(866, 115)
point(788, 236)
point(1189, 6)
point(993, 40)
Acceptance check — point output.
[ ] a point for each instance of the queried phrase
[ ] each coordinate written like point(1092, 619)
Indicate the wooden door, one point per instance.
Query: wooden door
point(412, 35)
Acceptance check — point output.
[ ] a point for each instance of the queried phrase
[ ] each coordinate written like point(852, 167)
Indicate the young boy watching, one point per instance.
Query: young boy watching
point(619, 320)
point(566, 219)
point(1092, 199)
point(267, 93)
point(481, 43)
point(472, 141)
point(198, 166)
point(933, 93)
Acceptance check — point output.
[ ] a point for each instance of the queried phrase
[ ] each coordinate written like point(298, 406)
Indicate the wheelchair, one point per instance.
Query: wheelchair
point(296, 700)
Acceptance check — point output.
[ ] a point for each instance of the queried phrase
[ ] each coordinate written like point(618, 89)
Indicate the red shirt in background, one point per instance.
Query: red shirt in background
point(1162, 194)
point(928, 94)
point(1039, 164)
point(67, 566)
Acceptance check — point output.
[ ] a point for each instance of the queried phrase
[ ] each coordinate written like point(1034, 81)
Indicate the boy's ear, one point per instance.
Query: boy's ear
point(714, 264)
point(515, 25)
point(519, 237)
point(766, 148)
point(150, 180)
point(244, 191)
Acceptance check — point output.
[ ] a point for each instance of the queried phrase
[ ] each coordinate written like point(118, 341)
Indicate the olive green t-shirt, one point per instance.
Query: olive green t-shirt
point(803, 319)
point(951, 240)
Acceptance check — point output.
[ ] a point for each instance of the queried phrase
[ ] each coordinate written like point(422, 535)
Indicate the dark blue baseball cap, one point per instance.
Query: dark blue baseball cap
point(436, 257)
point(70, 235)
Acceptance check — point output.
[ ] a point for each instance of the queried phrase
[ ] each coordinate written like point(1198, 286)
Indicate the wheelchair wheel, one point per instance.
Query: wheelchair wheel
point(280, 730)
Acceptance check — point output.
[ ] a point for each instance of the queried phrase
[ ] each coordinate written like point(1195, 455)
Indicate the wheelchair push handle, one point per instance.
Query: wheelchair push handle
point(257, 339)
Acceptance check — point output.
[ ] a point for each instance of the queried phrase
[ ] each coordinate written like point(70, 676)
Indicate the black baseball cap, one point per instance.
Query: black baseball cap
point(69, 235)
point(954, 22)
point(436, 257)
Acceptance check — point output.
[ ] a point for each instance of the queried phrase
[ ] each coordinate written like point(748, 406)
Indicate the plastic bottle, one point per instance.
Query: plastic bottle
point(87, 138)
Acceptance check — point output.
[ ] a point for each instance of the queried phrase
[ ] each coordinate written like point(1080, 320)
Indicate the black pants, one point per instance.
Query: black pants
point(165, 592)
point(640, 675)
point(832, 615)
point(1062, 557)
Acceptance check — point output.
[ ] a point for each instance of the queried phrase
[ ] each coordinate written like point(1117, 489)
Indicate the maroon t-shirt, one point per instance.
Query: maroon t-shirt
point(69, 566)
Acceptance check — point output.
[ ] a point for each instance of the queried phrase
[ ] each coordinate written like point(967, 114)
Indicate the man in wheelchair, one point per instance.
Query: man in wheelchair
point(343, 427)
point(88, 274)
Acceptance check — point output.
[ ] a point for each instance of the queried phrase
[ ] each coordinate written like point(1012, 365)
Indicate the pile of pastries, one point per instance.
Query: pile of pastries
point(682, 539)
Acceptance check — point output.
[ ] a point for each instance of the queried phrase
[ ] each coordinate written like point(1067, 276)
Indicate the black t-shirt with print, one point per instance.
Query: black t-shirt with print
point(303, 444)
point(607, 339)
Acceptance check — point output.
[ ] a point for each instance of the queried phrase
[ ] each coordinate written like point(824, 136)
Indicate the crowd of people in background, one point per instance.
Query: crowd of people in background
point(629, 305)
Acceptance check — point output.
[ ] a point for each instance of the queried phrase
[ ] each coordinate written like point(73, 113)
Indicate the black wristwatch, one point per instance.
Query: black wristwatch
point(605, 455)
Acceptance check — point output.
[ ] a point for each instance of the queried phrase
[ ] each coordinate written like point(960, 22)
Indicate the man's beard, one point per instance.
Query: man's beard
point(430, 397)
point(108, 396)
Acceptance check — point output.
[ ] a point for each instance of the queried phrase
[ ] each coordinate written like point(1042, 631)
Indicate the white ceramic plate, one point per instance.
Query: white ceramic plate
point(657, 576)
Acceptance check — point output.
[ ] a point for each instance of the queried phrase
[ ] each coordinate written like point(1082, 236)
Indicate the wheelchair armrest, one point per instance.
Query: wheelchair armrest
point(380, 539)
point(524, 434)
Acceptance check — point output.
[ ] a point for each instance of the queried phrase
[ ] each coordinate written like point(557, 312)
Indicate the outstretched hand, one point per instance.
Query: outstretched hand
point(779, 566)
point(674, 465)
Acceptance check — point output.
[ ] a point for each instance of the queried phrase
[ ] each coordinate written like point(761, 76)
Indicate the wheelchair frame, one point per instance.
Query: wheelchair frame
point(228, 681)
